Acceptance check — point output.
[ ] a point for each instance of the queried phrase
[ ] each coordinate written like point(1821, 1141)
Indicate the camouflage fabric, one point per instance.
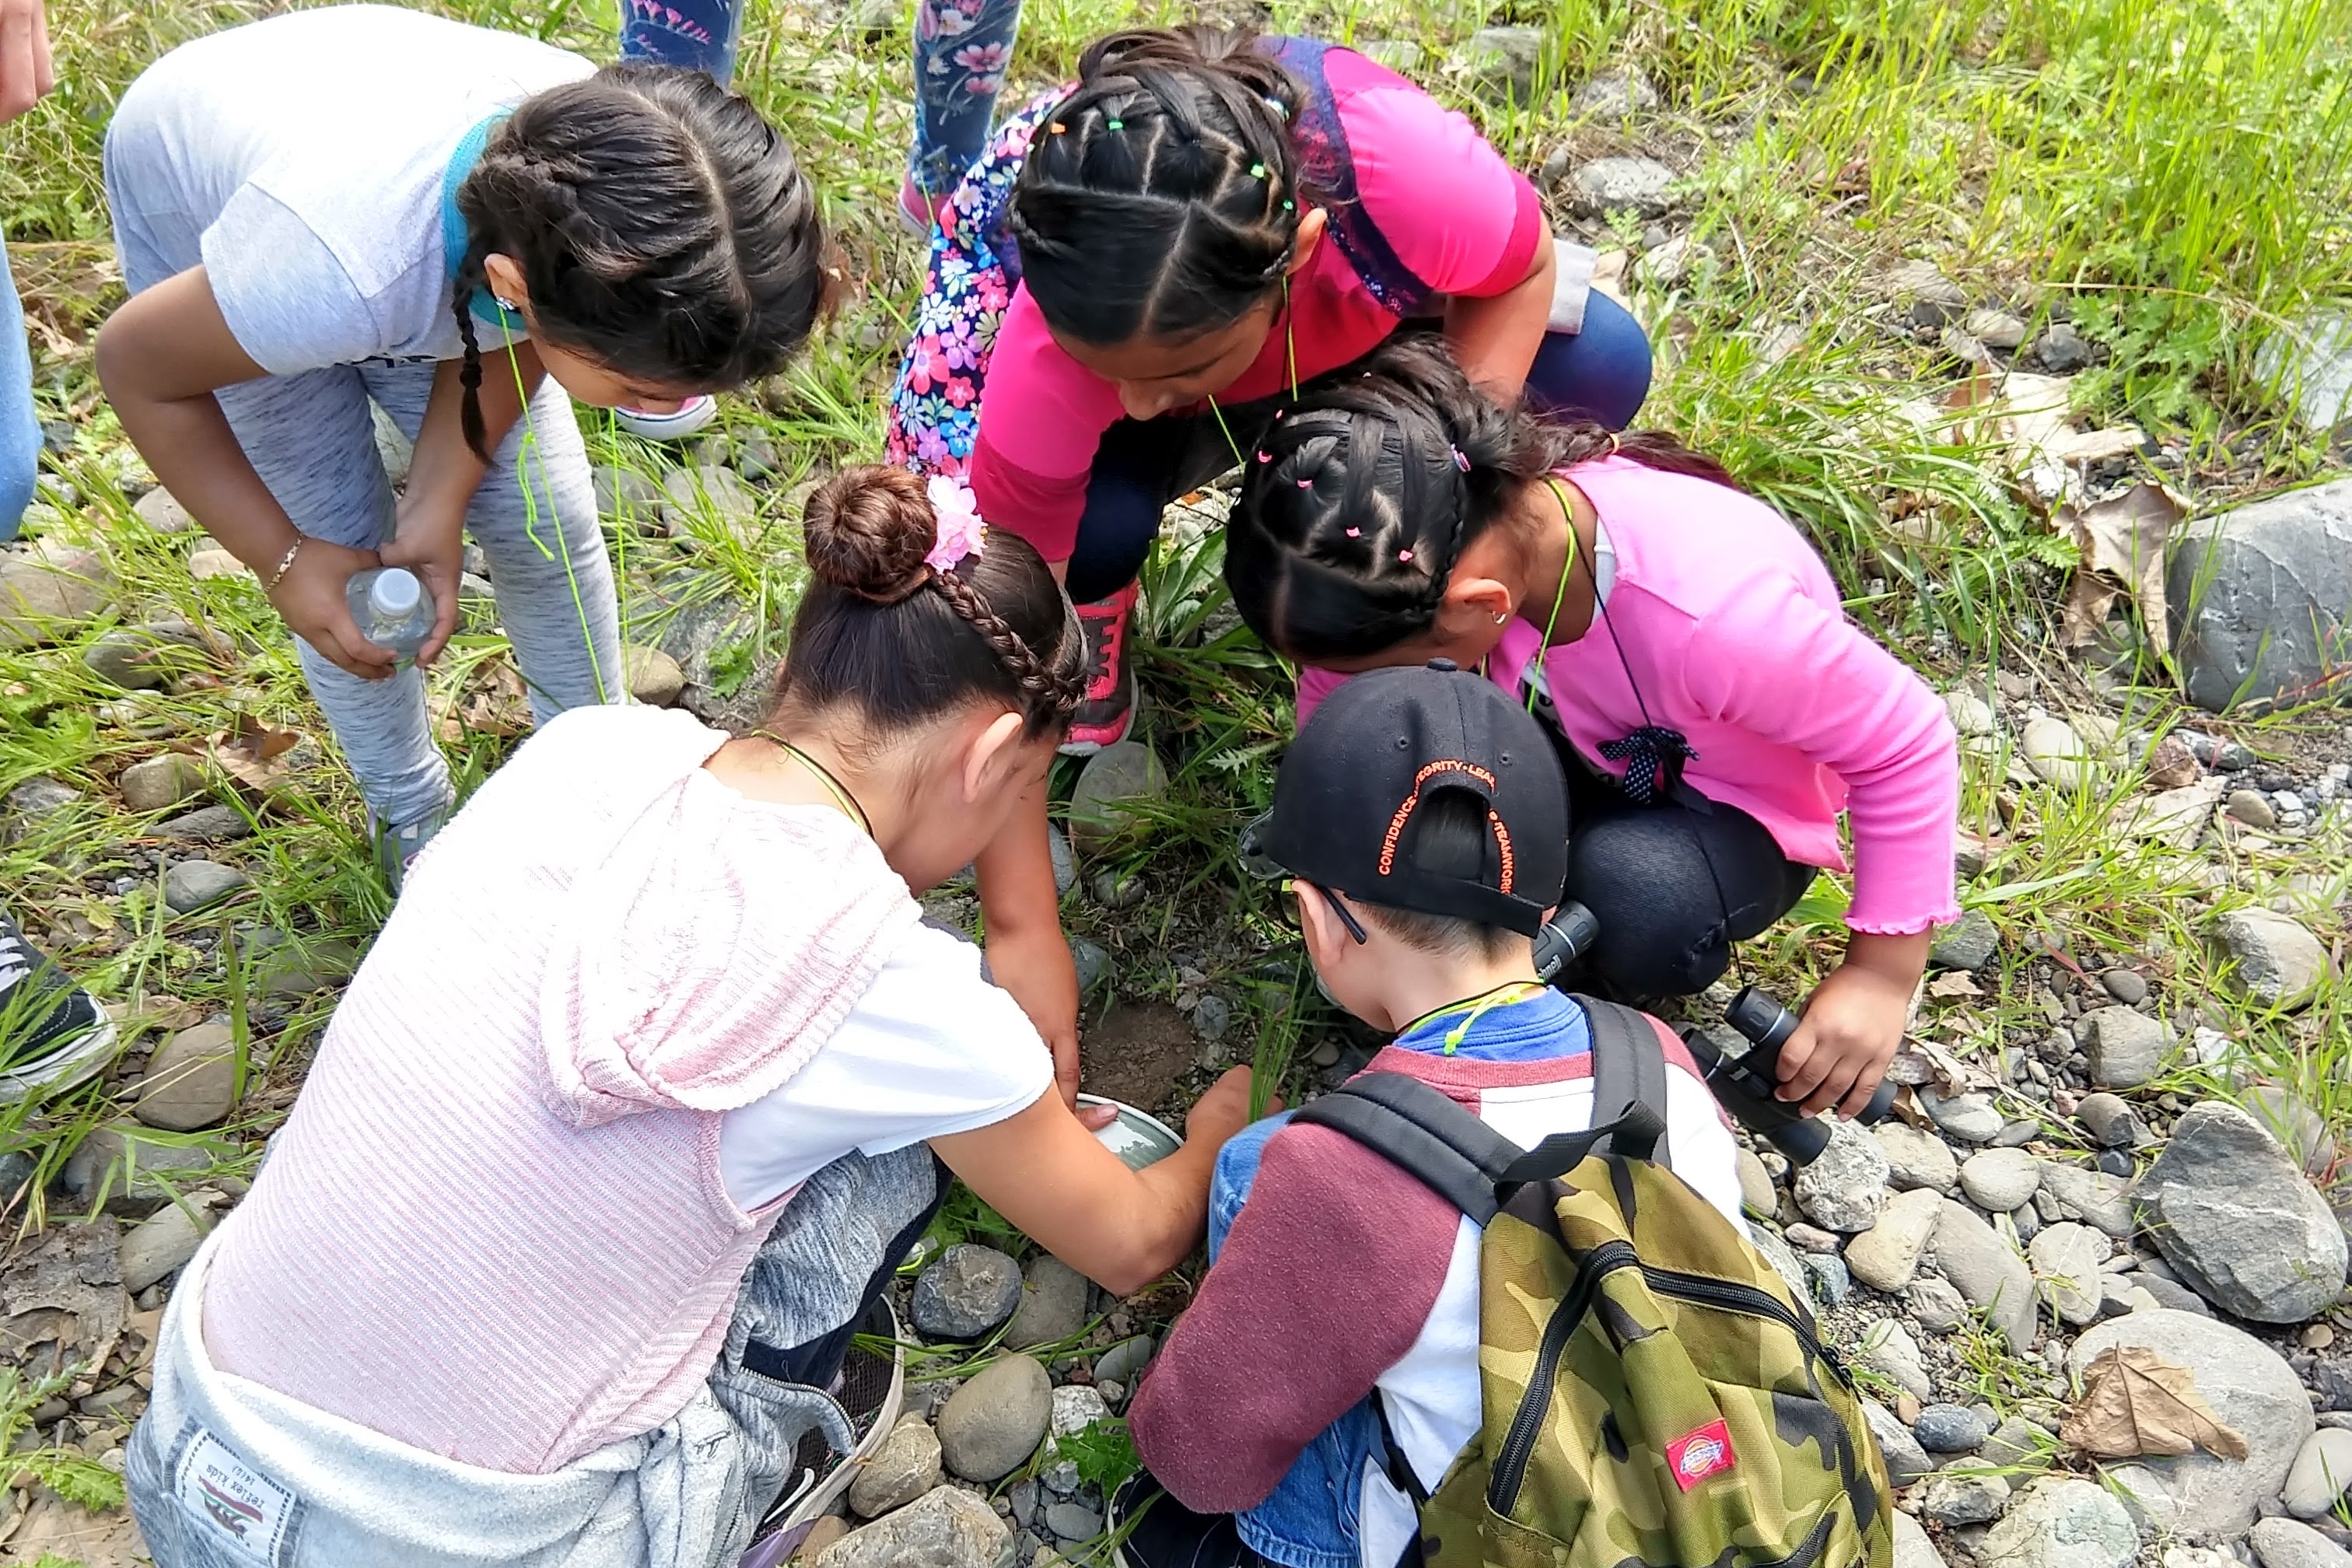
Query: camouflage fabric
point(1654, 1397)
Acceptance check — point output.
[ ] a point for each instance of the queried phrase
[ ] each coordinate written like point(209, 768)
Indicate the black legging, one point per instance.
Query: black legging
point(1643, 871)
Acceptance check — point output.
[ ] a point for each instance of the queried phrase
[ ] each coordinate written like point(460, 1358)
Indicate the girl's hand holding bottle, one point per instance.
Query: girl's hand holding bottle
point(310, 590)
point(434, 547)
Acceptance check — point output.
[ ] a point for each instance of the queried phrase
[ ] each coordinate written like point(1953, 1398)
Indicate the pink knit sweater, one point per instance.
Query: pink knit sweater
point(494, 1227)
point(1736, 636)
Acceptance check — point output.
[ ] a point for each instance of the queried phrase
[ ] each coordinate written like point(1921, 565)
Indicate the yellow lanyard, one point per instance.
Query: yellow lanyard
point(833, 787)
point(1473, 1009)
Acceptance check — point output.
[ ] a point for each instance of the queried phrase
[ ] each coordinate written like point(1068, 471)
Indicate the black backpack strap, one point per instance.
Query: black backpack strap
point(1461, 1158)
point(1629, 1070)
point(1417, 1128)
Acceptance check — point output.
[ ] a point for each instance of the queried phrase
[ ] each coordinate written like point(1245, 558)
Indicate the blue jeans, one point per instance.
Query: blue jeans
point(698, 35)
point(1309, 1519)
point(20, 432)
point(961, 47)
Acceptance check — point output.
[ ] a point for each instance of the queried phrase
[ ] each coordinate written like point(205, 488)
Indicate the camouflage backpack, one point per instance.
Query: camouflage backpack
point(1654, 1397)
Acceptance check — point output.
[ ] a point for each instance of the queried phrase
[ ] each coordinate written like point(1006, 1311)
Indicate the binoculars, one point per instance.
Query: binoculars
point(1744, 1085)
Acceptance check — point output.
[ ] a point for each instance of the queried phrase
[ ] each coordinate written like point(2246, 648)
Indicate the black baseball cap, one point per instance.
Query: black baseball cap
point(1378, 750)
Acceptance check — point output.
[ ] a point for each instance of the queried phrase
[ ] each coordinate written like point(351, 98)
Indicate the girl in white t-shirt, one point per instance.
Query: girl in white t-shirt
point(482, 1303)
point(469, 229)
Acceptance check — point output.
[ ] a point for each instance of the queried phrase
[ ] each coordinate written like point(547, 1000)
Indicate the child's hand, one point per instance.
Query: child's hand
point(1222, 1112)
point(26, 73)
point(435, 552)
point(311, 597)
point(1852, 1028)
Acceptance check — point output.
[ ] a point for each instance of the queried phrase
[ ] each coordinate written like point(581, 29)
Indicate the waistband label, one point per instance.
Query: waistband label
point(243, 1508)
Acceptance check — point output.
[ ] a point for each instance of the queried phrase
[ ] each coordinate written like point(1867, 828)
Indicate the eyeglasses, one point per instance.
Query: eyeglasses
point(1338, 907)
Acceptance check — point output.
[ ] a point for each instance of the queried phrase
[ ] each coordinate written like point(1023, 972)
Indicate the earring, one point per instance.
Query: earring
point(1501, 617)
point(504, 304)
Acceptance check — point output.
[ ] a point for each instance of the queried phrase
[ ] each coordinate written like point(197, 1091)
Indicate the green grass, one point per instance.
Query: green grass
point(2173, 179)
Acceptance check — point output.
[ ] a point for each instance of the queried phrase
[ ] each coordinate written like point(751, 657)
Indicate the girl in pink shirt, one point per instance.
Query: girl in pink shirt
point(1145, 265)
point(1690, 652)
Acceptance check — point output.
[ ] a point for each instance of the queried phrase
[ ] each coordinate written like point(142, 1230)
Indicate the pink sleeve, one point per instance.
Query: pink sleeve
point(1461, 219)
point(1865, 717)
point(1042, 416)
point(1314, 686)
point(1229, 1405)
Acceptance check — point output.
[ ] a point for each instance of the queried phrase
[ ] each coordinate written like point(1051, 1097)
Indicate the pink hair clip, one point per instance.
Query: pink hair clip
point(1307, 484)
point(1265, 457)
point(1404, 555)
point(1460, 461)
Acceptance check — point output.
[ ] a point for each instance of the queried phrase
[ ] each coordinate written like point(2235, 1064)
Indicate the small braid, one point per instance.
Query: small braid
point(1350, 523)
point(1162, 197)
point(470, 277)
point(1053, 695)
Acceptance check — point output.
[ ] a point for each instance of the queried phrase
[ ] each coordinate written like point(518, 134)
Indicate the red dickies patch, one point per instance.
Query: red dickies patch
point(1695, 1455)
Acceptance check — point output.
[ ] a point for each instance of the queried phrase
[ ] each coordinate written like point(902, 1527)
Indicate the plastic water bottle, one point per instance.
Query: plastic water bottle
point(391, 608)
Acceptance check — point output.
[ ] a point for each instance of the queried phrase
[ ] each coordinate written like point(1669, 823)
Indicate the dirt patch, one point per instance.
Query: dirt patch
point(1139, 1052)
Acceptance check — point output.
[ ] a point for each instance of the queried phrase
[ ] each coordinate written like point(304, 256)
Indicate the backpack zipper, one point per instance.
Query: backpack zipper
point(1519, 1443)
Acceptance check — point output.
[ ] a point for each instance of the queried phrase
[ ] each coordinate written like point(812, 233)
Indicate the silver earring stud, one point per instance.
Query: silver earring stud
point(504, 304)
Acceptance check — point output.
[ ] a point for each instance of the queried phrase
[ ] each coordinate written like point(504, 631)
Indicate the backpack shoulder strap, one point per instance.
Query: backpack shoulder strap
point(1461, 1158)
point(1421, 1131)
point(1628, 1069)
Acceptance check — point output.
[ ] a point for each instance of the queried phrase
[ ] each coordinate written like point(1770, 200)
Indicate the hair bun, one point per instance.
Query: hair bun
point(867, 531)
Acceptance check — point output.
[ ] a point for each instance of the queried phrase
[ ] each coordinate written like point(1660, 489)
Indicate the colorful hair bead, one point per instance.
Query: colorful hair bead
point(1355, 533)
point(1460, 461)
point(1404, 555)
point(1114, 124)
point(1257, 170)
point(1307, 484)
point(1264, 456)
point(1281, 110)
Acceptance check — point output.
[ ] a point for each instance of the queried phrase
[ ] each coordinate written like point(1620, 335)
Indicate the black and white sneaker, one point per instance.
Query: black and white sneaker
point(1152, 1530)
point(53, 1034)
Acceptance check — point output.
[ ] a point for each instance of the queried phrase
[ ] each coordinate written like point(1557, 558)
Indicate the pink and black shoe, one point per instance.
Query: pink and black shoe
point(1107, 712)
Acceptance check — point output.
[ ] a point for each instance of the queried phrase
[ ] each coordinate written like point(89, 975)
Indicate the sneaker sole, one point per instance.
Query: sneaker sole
point(818, 1500)
point(62, 1069)
point(1088, 748)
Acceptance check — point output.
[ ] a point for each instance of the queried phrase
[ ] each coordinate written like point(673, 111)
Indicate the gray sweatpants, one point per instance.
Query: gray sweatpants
point(311, 439)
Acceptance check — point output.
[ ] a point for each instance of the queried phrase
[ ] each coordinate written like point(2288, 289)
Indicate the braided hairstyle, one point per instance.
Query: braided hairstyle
point(1161, 198)
point(662, 227)
point(905, 642)
point(1359, 500)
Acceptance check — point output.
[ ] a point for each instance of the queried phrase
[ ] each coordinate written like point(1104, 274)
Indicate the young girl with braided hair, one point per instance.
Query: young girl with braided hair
point(1686, 647)
point(471, 232)
point(1146, 264)
point(674, 1050)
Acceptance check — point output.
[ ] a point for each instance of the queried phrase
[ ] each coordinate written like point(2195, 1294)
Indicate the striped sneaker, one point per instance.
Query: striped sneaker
point(53, 1033)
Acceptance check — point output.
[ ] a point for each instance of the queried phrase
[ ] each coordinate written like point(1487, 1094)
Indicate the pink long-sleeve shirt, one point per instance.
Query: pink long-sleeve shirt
point(1463, 220)
point(1736, 636)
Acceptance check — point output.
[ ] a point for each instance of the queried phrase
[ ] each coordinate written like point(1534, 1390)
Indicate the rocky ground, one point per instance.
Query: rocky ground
point(2125, 1080)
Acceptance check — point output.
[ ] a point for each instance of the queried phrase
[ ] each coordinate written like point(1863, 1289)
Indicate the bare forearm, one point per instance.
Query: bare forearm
point(1495, 339)
point(1902, 958)
point(1015, 870)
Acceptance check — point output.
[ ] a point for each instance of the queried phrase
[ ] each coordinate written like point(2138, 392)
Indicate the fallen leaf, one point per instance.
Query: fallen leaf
point(1953, 983)
point(497, 704)
point(253, 754)
point(2032, 416)
point(2121, 544)
point(64, 1299)
point(2134, 1402)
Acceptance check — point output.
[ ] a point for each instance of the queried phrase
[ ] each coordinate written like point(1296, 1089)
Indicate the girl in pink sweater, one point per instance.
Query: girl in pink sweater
point(630, 1114)
point(1687, 648)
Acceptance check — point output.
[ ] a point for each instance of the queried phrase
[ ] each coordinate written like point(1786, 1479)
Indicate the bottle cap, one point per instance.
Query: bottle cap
point(396, 592)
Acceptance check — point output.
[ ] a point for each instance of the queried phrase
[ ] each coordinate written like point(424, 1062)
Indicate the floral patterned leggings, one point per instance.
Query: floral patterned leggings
point(961, 47)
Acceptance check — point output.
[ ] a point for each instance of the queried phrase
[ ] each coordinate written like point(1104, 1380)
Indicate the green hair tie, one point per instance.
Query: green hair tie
point(1257, 170)
point(1114, 124)
point(1290, 206)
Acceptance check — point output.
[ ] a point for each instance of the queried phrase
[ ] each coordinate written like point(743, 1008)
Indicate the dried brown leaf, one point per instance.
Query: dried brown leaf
point(2134, 1402)
point(1953, 983)
point(253, 754)
point(2121, 542)
point(497, 703)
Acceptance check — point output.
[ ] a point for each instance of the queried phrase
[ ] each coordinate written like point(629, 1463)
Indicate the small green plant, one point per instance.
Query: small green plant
point(80, 1482)
point(1103, 1452)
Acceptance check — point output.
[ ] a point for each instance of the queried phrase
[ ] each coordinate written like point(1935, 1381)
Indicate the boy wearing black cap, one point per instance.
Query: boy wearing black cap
point(1424, 819)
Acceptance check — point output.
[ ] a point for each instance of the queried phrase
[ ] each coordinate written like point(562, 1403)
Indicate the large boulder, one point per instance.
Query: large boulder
point(2250, 1387)
point(2062, 1522)
point(2261, 593)
point(2230, 1211)
point(944, 1528)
